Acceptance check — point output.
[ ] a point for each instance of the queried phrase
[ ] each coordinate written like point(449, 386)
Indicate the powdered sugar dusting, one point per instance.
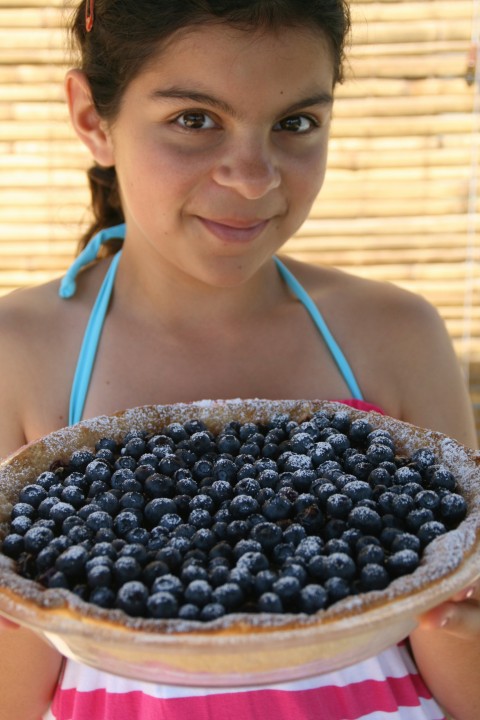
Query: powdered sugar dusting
point(448, 562)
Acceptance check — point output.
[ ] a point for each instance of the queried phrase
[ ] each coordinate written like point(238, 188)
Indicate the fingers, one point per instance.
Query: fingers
point(459, 616)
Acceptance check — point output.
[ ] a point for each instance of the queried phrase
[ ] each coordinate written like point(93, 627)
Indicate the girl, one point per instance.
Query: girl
point(208, 124)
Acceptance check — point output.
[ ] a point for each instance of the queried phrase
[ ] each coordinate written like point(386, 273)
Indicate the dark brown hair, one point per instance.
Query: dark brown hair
point(127, 33)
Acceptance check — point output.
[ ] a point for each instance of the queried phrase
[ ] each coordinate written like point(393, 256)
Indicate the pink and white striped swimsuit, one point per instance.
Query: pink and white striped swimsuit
point(383, 687)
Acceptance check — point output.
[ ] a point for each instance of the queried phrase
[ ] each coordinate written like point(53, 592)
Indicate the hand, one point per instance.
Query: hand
point(458, 616)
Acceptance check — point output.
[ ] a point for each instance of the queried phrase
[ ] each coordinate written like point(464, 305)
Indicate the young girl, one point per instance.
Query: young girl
point(208, 124)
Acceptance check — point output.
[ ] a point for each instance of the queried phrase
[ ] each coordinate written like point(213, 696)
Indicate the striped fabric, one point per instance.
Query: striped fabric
point(386, 686)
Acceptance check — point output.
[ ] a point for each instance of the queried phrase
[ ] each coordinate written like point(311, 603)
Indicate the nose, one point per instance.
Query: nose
point(249, 167)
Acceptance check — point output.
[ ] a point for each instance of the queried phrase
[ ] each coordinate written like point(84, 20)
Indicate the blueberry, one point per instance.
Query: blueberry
point(243, 505)
point(301, 442)
point(99, 576)
point(430, 530)
point(453, 508)
point(168, 583)
point(57, 579)
point(336, 588)
point(132, 598)
point(366, 520)
point(405, 541)
point(402, 562)
point(200, 518)
point(441, 478)
point(47, 479)
point(295, 570)
point(287, 588)
point(102, 596)
point(309, 547)
point(293, 534)
point(357, 490)
point(189, 611)
point(98, 470)
point(125, 521)
point(270, 602)
point(407, 474)
point(340, 565)
point(126, 568)
point(228, 443)
point(277, 508)
point(281, 553)
point(21, 524)
point(80, 459)
point(157, 508)
point(212, 611)
point(99, 519)
point(198, 592)
point(162, 604)
point(72, 561)
point(268, 534)
point(402, 505)
point(73, 496)
point(359, 431)
point(379, 452)
point(230, 595)
point(338, 505)
point(370, 554)
point(417, 518)
point(373, 577)
point(13, 545)
point(253, 562)
point(313, 598)
point(20, 509)
point(32, 495)
point(36, 538)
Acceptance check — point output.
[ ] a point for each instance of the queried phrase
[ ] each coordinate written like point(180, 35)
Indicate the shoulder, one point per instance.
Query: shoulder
point(40, 339)
point(381, 306)
point(397, 345)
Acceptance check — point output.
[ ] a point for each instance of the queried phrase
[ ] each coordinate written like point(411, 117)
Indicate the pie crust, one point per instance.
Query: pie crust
point(238, 649)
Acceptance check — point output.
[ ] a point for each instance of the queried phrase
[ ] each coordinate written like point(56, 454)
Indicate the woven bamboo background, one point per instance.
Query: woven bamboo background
point(400, 201)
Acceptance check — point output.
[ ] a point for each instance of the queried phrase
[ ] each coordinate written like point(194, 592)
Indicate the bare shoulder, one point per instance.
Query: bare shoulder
point(398, 346)
point(41, 335)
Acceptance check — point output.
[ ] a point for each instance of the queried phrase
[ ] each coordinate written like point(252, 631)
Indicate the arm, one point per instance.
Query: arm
point(447, 655)
point(29, 667)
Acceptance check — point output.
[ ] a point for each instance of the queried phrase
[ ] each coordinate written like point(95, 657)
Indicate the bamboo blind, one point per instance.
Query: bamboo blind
point(399, 202)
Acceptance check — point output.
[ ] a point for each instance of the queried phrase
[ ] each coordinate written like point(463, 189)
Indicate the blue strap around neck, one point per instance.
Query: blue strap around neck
point(331, 343)
point(68, 285)
point(93, 331)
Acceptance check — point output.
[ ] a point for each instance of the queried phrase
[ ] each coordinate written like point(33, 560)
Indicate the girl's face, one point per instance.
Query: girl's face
point(220, 148)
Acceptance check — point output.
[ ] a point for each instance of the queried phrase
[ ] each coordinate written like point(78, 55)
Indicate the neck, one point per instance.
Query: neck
point(175, 299)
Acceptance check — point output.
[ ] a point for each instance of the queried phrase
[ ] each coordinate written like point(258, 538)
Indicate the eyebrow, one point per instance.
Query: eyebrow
point(321, 98)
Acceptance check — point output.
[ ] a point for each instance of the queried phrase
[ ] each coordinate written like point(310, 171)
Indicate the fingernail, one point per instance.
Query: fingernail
point(445, 620)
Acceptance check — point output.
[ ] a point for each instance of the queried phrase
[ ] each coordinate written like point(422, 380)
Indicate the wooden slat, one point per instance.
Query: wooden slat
point(397, 201)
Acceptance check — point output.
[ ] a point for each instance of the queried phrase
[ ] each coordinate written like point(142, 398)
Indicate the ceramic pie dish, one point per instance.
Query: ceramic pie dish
point(238, 649)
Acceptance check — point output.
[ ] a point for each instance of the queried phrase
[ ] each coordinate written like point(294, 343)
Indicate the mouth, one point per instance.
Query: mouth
point(235, 230)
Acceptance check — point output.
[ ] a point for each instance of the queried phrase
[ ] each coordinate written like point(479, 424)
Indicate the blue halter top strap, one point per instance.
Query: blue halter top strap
point(331, 343)
point(93, 331)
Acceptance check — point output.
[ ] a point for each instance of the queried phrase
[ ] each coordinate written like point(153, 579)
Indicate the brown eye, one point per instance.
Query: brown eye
point(296, 124)
point(195, 121)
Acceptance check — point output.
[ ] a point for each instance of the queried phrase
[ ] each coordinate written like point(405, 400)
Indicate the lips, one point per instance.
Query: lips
point(235, 230)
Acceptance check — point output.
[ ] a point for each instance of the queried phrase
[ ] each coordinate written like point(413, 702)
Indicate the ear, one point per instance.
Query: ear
point(88, 125)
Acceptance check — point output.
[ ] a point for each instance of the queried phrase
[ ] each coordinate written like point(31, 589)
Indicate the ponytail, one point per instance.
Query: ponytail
point(106, 205)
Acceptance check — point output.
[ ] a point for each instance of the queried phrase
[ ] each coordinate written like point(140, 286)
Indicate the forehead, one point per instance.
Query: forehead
point(285, 61)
